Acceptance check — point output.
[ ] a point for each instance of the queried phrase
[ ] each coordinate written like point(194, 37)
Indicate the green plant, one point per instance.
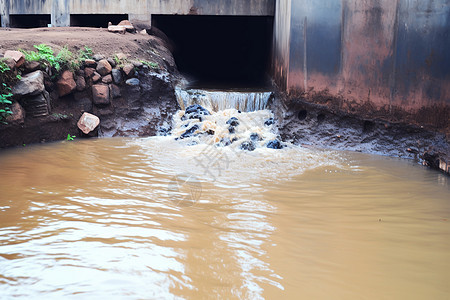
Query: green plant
point(70, 137)
point(5, 96)
point(44, 55)
point(151, 64)
point(85, 53)
point(67, 59)
point(6, 75)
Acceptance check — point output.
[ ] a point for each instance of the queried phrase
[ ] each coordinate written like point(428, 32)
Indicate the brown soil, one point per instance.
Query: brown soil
point(142, 46)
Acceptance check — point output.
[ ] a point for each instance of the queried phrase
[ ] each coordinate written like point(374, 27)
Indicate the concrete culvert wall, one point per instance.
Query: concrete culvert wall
point(220, 50)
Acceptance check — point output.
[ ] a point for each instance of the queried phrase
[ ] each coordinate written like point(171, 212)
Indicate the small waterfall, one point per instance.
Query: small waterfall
point(222, 100)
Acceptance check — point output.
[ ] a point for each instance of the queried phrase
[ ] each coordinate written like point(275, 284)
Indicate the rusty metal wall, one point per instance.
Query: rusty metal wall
point(377, 58)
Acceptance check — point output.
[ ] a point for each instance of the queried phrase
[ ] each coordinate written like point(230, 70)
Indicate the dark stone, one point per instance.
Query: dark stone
point(268, 122)
point(275, 144)
point(231, 129)
point(255, 137)
point(249, 146)
point(233, 121)
point(195, 112)
point(197, 109)
point(117, 76)
point(189, 132)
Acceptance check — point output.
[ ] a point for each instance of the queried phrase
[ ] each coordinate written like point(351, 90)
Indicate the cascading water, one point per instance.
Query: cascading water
point(225, 119)
point(220, 100)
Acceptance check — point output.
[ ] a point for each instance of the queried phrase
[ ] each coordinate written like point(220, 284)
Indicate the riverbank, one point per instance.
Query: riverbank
point(128, 83)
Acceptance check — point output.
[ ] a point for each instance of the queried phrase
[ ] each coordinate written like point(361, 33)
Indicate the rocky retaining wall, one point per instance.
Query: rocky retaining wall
point(133, 98)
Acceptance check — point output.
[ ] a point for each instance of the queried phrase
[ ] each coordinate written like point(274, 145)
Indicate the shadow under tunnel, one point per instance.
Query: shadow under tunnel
point(220, 51)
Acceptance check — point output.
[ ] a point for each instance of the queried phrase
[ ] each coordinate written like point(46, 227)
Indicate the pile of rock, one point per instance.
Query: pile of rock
point(122, 27)
point(97, 80)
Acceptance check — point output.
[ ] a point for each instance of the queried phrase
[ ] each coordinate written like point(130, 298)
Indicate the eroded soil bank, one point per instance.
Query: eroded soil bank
point(144, 106)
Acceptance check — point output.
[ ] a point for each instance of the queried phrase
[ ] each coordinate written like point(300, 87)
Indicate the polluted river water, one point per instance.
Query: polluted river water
point(199, 216)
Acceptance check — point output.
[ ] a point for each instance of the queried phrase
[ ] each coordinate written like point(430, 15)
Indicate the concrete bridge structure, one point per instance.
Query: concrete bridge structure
point(383, 58)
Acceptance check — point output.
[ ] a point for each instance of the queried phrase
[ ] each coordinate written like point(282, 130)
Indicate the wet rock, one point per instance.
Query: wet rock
point(132, 82)
point(275, 144)
point(117, 76)
point(195, 112)
point(88, 123)
point(103, 67)
point(30, 84)
point(100, 94)
point(268, 122)
point(107, 79)
point(17, 56)
point(66, 84)
point(18, 114)
point(233, 121)
point(255, 137)
point(81, 83)
point(249, 146)
point(190, 132)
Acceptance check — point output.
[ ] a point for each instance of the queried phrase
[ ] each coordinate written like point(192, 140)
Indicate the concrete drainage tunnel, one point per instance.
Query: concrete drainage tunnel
point(220, 51)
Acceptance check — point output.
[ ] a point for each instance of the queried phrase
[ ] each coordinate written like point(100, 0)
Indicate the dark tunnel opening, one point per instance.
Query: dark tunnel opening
point(29, 21)
point(220, 51)
point(96, 20)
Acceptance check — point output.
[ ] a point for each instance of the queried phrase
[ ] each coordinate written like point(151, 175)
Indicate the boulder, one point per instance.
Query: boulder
point(90, 62)
point(128, 69)
point(18, 114)
point(100, 94)
point(37, 106)
point(103, 67)
point(81, 83)
point(111, 61)
point(107, 79)
point(88, 123)
point(66, 84)
point(30, 84)
point(18, 57)
point(133, 82)
point(97, 57)
point(127, 25)
point(117, 76)
point(96, 77)
point(10, 62)
point(31, 66)
point(89, 72)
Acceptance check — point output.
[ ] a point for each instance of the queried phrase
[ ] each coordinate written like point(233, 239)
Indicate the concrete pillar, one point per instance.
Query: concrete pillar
point(60, 13)
point(4, 12)
point(145, 20)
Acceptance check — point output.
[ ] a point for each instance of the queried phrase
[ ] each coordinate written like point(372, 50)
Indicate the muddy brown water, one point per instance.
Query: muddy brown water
point(152, 219)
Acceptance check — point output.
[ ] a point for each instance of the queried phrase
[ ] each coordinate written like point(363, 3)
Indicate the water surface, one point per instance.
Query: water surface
point(153, 218)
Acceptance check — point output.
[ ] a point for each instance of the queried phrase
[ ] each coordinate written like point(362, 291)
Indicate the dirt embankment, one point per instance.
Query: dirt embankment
point(133, 98)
